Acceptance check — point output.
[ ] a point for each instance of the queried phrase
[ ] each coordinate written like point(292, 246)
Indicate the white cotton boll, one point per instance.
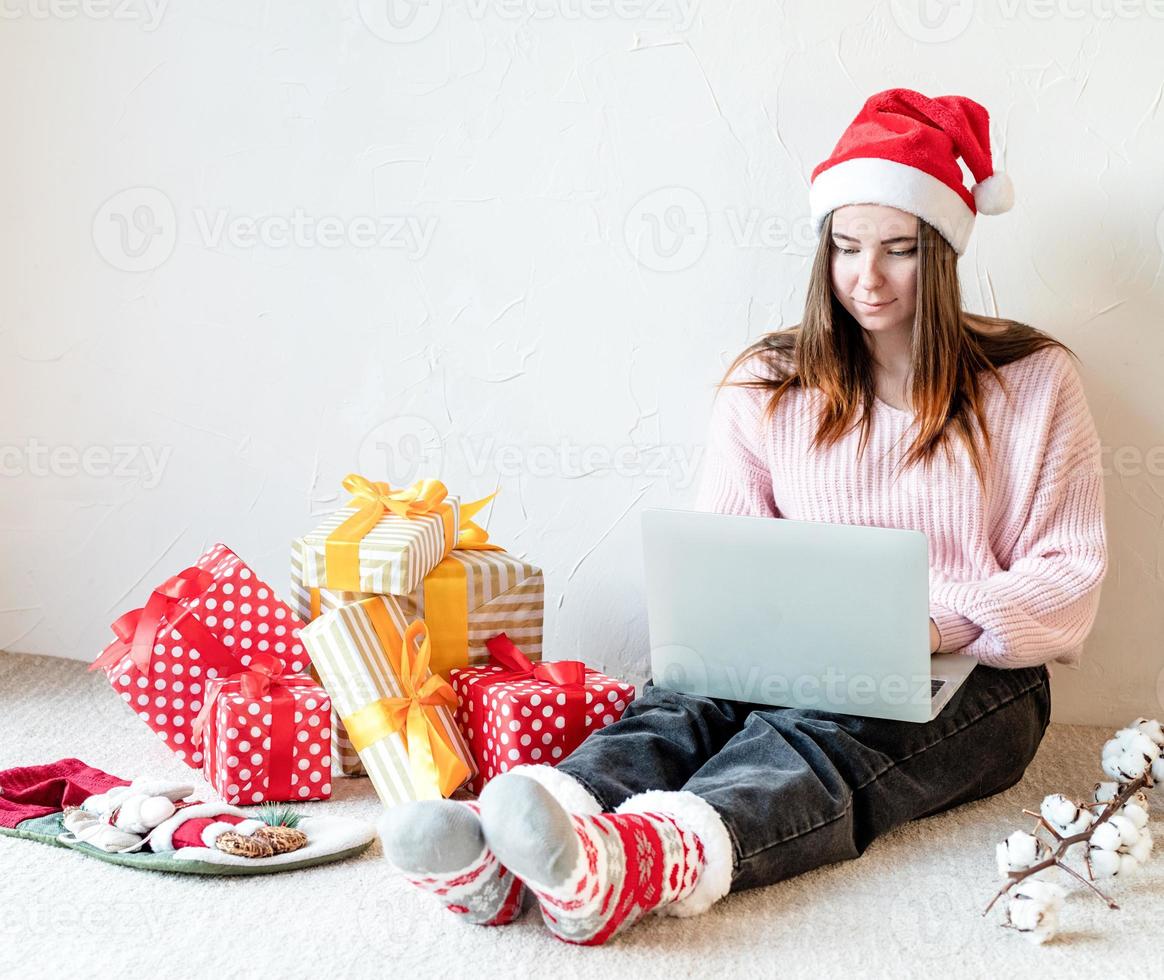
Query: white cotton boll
point(1019, 852)
point(1062, 814)
point(1142, 849)
point(1106, 837)
point(1104, 864)
point(1129, 832)
point(1034, 909)
point(1135, 740)
point(1150, 727)
point(1128, 743)
point(1135, 813)
point(1158, 770)
point(1037, 888)
point(1024, 914)
point(1125, 766)
point(1002, 859)
point(1128, 864)
point(1106, 792)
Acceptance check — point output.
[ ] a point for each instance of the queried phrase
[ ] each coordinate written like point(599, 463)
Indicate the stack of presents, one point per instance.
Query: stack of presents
point(410, 653)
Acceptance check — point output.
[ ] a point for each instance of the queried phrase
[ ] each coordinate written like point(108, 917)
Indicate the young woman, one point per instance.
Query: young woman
point(887, 405)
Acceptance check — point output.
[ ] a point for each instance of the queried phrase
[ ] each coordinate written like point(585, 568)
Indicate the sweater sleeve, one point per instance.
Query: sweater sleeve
point(736, 477)
point(1043, 605)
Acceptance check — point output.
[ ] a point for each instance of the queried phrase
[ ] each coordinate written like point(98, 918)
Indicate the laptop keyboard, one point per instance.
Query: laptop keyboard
point(935, 686)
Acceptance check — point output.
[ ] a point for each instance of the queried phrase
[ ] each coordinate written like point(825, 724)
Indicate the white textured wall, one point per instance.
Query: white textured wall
point(251, 246)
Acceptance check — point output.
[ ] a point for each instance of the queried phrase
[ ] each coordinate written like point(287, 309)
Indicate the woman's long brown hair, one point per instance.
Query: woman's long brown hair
point(950, 349)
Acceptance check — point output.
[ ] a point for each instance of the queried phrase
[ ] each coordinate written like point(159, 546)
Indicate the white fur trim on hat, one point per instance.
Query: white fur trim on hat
point(563, 787)
point(212, 831)
point(699, 817)
point(870, 180)
point(162, 837)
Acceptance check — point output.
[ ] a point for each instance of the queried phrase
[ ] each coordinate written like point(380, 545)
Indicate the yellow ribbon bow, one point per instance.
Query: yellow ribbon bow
point(437, 770)
point(424, 498)
point(471, 536)
point(374, 500)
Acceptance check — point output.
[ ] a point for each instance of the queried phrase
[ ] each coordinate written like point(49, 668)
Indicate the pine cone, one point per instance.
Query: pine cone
point(232, 842)
point(282, 839)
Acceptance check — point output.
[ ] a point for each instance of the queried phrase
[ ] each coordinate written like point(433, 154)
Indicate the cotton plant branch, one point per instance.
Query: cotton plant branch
point(1116, 839)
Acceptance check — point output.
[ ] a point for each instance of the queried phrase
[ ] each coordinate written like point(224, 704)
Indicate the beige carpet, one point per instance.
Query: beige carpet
point(908, 907)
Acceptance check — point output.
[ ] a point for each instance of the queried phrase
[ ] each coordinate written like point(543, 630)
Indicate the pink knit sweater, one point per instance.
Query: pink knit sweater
point(1015, 574)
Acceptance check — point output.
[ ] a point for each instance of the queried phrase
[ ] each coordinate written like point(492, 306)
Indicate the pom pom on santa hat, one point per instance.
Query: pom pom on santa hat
point(995, 194)
point(902, 150)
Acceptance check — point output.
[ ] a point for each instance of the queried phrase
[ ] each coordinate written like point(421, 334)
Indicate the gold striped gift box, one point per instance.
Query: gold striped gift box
point(394, 556)
point(503, 594)
point(358, 670)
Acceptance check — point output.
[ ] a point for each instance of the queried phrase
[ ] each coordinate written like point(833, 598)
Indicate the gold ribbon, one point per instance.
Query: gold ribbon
point(446, 606)
point(471, 536)
point(446, 587)
point(436, 768)
point(446, 594)
point(423, 499)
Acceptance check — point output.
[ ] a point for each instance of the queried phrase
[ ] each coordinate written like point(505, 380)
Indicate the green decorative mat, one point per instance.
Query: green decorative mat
point(46, 831)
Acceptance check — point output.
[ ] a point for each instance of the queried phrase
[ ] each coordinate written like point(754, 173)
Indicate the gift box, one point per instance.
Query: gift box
point(384, 541)
point(266, 735)
point(397, 713)
point(468, 598)
point(476, 592)
point(197, 625)
point(515, 711)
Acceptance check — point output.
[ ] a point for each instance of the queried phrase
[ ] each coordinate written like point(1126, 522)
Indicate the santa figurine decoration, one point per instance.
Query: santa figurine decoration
point(158, 815)
point(156, 825)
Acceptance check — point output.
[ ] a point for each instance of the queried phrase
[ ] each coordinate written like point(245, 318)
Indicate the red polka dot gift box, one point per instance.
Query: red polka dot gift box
point(266, 735)
point(514, 711)
point(205, 622)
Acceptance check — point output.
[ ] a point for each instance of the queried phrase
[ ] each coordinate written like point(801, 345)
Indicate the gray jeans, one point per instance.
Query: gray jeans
point(800, 788)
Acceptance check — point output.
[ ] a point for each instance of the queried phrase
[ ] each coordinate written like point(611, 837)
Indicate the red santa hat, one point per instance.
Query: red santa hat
point(902, 150)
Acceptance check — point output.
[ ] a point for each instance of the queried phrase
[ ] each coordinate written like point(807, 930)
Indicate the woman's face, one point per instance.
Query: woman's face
point(874, 265)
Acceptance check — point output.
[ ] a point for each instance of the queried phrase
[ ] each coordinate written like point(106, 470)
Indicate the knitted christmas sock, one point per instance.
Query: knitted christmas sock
point(592, 875)
point(439, 846)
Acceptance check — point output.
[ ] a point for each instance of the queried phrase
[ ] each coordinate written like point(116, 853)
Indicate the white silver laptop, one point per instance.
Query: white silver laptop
point(799, 614)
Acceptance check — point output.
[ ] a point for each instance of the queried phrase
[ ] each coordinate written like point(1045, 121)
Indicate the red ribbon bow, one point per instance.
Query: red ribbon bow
point(138, 629)
point(570, 675)
point(567, 675)
point(264, 675)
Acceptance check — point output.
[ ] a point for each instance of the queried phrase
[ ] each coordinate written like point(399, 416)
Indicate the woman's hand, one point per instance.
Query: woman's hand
point(935, 637)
